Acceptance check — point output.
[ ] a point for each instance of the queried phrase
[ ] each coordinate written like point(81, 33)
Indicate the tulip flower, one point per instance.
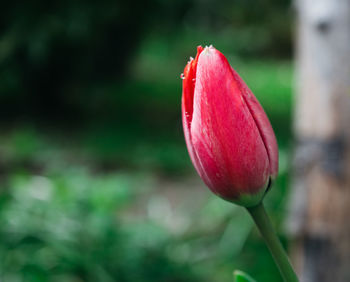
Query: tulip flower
point(228, 135)
point(230, 141)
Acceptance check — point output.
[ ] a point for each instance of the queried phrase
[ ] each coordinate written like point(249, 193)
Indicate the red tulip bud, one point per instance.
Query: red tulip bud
point(228, 135)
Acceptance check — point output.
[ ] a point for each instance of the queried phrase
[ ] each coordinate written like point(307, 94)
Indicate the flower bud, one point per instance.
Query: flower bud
point(229, 138)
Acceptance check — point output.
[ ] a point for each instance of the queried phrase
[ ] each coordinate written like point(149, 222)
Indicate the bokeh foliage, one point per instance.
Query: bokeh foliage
point(56, 57)
point(91, 142)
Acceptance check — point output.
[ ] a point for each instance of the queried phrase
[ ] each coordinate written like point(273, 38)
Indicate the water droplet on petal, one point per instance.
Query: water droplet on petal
point(191, 59)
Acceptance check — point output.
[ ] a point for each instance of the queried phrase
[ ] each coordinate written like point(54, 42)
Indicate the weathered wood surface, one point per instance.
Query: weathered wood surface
point(320, 201)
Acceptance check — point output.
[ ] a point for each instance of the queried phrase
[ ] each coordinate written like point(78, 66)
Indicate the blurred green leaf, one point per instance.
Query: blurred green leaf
point(240, 276)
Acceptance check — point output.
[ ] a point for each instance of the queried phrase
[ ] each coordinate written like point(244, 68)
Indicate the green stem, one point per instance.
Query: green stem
point(266, 229)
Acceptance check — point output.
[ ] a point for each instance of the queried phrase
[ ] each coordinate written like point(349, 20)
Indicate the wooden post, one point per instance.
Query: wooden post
point(320, 200)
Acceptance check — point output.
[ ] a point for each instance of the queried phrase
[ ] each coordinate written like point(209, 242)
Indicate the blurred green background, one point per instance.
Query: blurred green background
point(96, 183)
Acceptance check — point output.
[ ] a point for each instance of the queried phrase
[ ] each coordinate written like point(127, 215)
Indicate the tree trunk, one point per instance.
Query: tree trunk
point(320, 200)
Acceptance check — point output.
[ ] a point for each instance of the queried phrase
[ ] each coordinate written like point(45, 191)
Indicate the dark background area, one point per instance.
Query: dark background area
point(96, 184)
